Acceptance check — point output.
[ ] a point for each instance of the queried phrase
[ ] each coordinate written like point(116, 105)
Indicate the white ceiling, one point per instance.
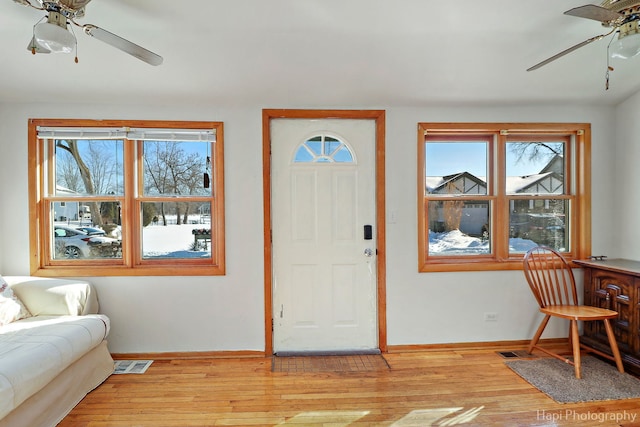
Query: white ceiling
point(319, 53)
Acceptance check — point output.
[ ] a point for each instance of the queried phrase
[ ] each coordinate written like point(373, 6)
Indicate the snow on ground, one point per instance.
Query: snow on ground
point(457, 243)
point(177, 241)
point(172, 241)
point(160, 241)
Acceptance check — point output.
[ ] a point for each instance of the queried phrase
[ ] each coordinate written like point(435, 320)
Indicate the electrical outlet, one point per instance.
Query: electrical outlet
point(490, 317)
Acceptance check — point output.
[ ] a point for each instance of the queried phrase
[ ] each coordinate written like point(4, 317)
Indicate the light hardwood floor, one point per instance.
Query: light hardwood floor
point(470, 387)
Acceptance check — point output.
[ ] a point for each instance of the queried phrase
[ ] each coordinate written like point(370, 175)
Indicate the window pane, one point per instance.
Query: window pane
point(538, 222)
point(323, 149)
point(315, 145)
point(342, 155)
point(177, 168)
point(331, 145)
point(456, 167)
point(176, 230)
point(304, 155)
point(459, 227)
point(89, 167)
point(535, 167)
point(74, 236)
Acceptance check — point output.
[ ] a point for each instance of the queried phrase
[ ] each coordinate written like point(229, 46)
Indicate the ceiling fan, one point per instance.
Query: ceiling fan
point(622, 16)
point(54, 35)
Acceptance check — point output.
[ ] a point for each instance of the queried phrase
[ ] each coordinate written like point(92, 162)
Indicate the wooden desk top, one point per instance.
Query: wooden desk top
point(619, 265)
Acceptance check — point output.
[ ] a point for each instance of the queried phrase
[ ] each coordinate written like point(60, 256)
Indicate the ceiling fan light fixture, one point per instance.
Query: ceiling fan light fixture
point(54, 38)
point(626, 47)
point(34, 47)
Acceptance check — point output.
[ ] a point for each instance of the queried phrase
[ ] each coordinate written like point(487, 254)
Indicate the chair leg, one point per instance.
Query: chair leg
point(614, 345)
point(538, 334)
point(575, 340)
point(570, 339)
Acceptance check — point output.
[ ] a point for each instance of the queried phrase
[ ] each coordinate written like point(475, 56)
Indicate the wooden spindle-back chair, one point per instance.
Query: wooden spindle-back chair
point(552, 282)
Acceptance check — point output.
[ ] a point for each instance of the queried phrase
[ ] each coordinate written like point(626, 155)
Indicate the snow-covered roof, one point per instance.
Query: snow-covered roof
point(61, 191)
point(514, 184)
point(435, 182)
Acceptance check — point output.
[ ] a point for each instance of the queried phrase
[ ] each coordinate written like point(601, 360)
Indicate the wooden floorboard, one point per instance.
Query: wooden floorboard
point(470, 387)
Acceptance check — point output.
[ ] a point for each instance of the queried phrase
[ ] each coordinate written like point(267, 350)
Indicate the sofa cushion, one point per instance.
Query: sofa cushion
point(54, 297)
point(11, 308)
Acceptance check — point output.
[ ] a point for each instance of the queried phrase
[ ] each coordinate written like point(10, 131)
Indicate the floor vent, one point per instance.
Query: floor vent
point(132, 366)
point(514, 354)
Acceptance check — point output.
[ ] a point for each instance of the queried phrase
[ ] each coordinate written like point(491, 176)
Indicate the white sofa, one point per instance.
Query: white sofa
point(50, 360)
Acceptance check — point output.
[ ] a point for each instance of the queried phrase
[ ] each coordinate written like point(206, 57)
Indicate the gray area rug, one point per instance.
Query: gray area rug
point(600, 380)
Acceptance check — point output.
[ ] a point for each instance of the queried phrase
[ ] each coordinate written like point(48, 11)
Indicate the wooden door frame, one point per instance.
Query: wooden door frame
point(379, 117)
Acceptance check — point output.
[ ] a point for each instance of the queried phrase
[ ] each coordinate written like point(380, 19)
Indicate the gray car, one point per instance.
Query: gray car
point(92, 231)
point(73, 243)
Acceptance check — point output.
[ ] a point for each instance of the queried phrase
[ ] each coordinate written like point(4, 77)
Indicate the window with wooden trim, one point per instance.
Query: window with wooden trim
point(488, 192)
point(118, 198)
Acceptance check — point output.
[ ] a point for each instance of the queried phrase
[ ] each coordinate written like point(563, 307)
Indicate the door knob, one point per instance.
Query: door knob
point(368, 252)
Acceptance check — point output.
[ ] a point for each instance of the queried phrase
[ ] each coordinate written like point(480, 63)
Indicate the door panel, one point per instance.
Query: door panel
point(324, 286)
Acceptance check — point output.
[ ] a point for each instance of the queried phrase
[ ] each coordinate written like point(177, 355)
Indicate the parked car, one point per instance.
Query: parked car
point(92, 231)
point(73, 243)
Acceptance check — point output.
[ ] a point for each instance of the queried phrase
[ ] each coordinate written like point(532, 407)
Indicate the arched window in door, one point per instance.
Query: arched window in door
point(323, 149)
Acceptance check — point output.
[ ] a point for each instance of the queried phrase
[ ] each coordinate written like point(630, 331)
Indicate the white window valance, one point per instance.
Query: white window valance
point(140, 134)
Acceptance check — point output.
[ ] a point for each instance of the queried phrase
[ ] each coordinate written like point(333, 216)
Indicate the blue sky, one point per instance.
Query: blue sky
point(472, 157)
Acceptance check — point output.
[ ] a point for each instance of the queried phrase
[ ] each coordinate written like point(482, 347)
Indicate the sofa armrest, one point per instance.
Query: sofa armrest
point(54, 297)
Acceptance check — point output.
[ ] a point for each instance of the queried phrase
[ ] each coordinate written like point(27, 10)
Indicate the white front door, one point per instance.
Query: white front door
point(324, 247)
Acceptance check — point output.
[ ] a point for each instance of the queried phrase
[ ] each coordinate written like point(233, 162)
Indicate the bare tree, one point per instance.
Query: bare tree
point(103, 168)
point(94, 166)
point(71, 146)
point(171, 170)
point(537, 150)
point(67, 172)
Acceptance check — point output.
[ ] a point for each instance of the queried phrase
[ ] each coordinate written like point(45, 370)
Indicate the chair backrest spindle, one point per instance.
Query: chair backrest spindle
point(550, 277)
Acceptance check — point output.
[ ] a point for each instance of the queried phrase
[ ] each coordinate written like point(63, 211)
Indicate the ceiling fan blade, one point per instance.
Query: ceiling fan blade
point(592, 11)
point(123, 44)
point(567, 51)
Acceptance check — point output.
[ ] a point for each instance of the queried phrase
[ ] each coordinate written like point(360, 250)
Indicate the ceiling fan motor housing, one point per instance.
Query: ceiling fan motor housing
point(68, 8)
point(57, 19)
point(630, 27)
point(620, 5)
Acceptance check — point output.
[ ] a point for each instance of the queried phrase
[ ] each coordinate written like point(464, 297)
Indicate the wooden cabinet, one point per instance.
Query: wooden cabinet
point(614, 284)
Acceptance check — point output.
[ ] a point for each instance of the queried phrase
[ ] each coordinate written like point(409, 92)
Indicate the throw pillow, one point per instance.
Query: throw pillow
point(11, 308)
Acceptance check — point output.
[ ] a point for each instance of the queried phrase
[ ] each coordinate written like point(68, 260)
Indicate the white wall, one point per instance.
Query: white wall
point(170, 314)
point(449, 307)
point(625, 208)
